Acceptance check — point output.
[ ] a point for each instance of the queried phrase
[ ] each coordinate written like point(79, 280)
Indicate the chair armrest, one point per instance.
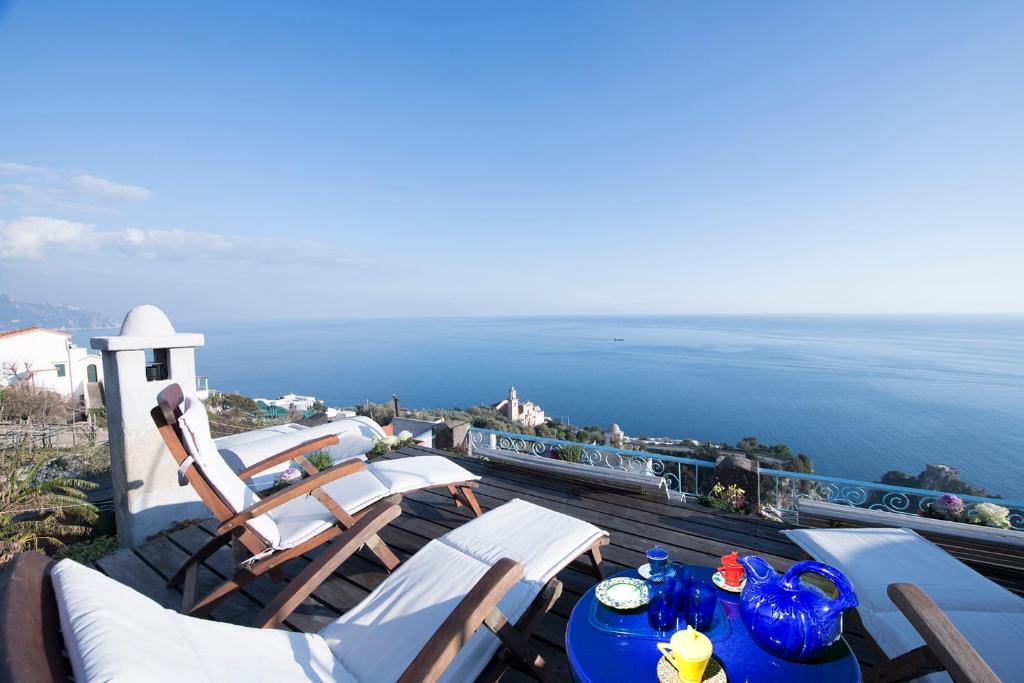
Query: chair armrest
point(463, 622)
point(330, 558)
point(291, 492)
point(961, 661)
point(291, 453)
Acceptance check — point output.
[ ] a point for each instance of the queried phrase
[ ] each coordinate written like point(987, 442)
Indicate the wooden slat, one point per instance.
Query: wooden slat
point(691, 533)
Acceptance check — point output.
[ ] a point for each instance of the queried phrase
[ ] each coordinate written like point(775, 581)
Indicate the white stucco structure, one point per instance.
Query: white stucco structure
point(529, 413)
point(147, 356)
point(48, 360)
point(290, 402)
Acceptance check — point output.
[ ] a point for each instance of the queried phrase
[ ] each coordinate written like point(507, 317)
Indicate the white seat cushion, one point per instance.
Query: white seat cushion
point(356, 437)
point(378, 638)
point(195, 430)
point(114, 633)
point(874, 558)
point(408, 474)
point(303, 518)
point(990, 617)
point(542, 540)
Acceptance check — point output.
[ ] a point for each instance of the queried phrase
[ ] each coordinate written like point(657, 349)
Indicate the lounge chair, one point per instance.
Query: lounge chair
point(925, 610)
point(267, 532)
point(422, 623)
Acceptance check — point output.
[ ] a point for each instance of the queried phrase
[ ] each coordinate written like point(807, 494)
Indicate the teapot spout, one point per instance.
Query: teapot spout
point(758, 571)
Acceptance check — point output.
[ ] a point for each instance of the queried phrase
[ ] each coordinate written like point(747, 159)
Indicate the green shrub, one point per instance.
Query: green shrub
point(89, 551)
point(38, 511)
point(320, 459)
point(570, 452)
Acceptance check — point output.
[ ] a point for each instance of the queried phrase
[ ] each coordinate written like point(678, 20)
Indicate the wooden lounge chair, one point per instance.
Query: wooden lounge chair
point(267, 532)
point(926, 611)
point(944, 649)
point(461, 609)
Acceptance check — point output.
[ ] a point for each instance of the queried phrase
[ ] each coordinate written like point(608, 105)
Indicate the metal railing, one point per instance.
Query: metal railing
point(779, 488)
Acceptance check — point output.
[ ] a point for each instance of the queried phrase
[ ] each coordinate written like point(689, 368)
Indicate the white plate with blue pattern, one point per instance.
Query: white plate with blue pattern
point(622, 592)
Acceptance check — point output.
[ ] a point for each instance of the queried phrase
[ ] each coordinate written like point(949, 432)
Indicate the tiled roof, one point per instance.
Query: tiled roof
point(34, 328)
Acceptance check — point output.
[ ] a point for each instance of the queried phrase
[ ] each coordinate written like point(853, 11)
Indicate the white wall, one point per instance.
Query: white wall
point(36, 354)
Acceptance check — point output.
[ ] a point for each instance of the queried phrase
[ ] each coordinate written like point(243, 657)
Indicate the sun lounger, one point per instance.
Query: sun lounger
point(356, 436)
point(270, 531)
point(422, 623)
point(989, 617)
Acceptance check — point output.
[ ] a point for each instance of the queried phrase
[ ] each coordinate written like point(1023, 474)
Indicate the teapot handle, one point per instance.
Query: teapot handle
point(791, 579)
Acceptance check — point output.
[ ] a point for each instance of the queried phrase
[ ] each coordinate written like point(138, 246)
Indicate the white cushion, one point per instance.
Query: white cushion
point(356, 437)
point(303, 518)
point(422, 471)
point(195, 428)
point(378, 638)
point(542, 540)
point(990, 617)
point(256, 435)
point(114, 633)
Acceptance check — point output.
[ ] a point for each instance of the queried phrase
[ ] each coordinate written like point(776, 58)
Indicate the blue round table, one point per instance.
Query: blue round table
point(605, 646)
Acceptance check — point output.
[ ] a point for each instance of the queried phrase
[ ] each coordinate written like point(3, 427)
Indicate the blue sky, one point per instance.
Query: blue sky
point(240, 160)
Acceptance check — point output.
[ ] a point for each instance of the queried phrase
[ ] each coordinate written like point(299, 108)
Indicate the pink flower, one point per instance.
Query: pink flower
point(949, 504)
point(291, 474)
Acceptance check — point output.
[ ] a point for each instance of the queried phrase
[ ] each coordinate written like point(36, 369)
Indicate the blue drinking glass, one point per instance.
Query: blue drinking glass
point(701, 599)
point(657, 558)
point(661, 612)
point(678, 586)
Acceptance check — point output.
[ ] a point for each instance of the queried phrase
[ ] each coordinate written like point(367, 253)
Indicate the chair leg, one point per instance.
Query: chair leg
point(909, 665)
point(455, 496)
point(541, 605)
point(467, 495)
point(519, 645)
point(596, 566)
point(198, 558)
point(210, 600)
point(383, 552)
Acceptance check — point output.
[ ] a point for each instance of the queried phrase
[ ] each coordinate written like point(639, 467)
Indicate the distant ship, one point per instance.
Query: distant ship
point(618, 339)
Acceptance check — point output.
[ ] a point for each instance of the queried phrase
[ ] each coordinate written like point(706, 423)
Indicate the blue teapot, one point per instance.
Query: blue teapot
point(787, 618)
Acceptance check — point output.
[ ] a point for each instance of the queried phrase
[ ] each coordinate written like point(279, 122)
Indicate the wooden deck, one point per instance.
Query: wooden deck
point(693, 535)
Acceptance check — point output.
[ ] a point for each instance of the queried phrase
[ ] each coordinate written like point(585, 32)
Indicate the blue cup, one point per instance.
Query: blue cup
point(661, 611)
point(678, 586)
point(657, 559)
point(701, 598)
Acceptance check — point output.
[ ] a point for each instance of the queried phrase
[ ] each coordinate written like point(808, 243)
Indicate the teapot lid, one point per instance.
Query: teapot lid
point(691, 644)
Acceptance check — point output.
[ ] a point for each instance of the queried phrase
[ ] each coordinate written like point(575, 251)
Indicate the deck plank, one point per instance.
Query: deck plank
point(636, 522)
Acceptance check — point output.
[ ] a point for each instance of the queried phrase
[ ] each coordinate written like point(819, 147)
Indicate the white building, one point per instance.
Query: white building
point(48, 360)
point(290, 402)
point(528, 414)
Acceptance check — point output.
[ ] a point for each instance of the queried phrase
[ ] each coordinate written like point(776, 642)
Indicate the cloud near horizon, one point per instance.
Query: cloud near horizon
point(35, 237)
point(32, 189)
point(102, 187)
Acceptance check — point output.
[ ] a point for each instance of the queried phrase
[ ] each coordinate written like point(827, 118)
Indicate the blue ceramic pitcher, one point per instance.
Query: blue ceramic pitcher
point(787, 618)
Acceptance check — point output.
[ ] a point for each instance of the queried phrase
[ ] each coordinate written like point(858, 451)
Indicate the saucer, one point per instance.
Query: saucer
point(719, 581)
point(622, 592)
point(644, 571)
point(714, 673)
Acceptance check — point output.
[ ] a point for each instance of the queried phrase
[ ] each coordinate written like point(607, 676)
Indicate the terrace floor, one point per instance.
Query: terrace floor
point(692, 534)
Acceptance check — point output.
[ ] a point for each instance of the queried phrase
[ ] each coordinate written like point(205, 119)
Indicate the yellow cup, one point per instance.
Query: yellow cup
point(688, 651)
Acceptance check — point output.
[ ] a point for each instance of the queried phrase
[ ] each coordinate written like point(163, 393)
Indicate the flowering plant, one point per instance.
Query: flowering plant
point(731, 499)
point(948, 506)
point(992, 515)
point(390, 443)
point(291, 474)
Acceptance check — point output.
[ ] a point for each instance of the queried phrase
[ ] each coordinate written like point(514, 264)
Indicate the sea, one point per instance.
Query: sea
point(861, 395)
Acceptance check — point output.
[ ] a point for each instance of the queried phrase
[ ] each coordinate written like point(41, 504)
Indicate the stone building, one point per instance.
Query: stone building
point(527, 414)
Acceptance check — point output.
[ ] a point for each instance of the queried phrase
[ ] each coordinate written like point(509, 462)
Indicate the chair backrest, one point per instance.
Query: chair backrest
point(185, 428)
point(30, 641)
